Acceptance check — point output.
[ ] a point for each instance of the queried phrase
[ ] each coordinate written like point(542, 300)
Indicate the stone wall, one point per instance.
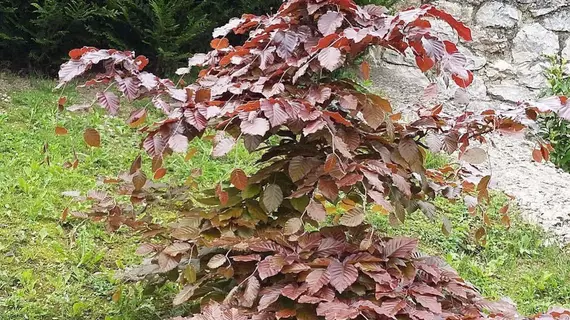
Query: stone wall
point(511, 39)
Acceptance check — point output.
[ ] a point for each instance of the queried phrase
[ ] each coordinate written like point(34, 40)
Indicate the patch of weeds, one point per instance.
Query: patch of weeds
point(66, 270)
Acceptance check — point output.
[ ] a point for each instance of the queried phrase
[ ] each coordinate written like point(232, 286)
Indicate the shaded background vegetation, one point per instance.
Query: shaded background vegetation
point(35, 36)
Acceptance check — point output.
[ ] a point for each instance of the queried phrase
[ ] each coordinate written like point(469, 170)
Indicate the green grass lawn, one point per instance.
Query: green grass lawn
point(55, 270)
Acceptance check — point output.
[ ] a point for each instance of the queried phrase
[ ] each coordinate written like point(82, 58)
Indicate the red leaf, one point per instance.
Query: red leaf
point(272, 197)
point(196, 119)
point(137, 118)
point(336, 310)
point(293, 292)
point(178, 143)
point(353, 218)
point(70, 70)
point(61, 102)
point(329, 22)
point(425, 63)
point(286, 314)
point(330, 164)
point(463, 31)
point(429, 302)
point(337, 117)
point(222, 195)
point(154, 145)
point(316, 211)
point(159, 174)
point(545, 153)
point(218, 44)
point(287, 41)
point(203, 95)
point(109, 101)
point(275, 113)
point(257, 126)
point(400, 247)
point(365, 70)
point(250, 293)
point(60, 131)
point(76, 53)
point(342, 275)
point(223, 147)
point(329, 189)
point(463, 83)
point(402, 184)
point(239, 179)
point(129, 86)
point(64, 214)
point(325, 41)
point(269, 296)
point(349, 180)
point(299, 167)
point(409, 151)
point(166, 262)
point(537, 155)
point(92, 137)
point(141, 62)
point(247, 258)
point(483, 188)
point(317, 279)
point(480, 233)
point(331, 58)
point(373, 114)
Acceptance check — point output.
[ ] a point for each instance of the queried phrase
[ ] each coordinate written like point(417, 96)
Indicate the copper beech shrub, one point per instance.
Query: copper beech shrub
point(291, 241)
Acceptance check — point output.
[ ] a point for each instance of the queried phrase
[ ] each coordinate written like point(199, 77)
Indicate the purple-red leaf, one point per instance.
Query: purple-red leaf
point(331, 58)
point(109, 101)
point(329, 22)
point(342, 275)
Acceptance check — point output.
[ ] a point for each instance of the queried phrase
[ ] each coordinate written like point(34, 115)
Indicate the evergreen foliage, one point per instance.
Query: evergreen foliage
point(35, 36)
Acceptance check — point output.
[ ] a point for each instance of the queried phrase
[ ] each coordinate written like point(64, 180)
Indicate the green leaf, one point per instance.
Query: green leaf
point(272, 197)
point(251, 191)
point(300, 204)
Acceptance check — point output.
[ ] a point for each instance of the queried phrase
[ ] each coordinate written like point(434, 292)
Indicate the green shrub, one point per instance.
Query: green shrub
point(553, 128)
point(36, 36)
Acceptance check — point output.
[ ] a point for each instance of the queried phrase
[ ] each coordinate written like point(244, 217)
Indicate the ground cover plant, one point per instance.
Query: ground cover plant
point(555, 128)
point(339, 166)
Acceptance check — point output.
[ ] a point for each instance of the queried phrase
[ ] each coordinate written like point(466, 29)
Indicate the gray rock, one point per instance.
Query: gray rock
point(532, 42)
point(558, 21)
point(443, 30)
point(530, 46)
point(532, 75)
point(394, 57)
point(474, 62)
point(478, 90)
point(566, 50)
point(498, 15)
point(566, 55)
point(488, 41)
point(402, 85)
point(500, 70)
point(542, 7)
point(510, 92)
